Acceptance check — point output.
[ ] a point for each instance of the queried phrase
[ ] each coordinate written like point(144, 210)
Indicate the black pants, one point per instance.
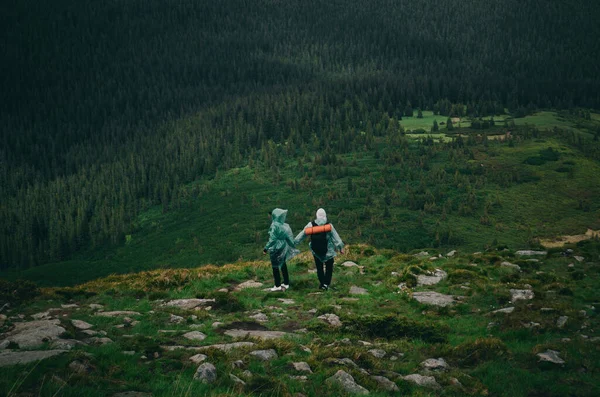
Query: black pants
point(324, 277)
point(277, 277)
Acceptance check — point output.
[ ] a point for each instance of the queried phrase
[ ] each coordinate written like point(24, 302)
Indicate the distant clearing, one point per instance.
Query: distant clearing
point(560, 241)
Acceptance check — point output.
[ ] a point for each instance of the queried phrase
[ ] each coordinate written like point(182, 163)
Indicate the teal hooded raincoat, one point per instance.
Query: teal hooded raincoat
point(281, 240)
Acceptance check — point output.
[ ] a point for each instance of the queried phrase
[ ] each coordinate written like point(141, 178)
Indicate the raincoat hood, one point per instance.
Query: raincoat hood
point(278, 215)
point(321, 217)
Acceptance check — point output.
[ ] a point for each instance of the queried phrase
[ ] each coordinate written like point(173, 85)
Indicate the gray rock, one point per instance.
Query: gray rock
point(432, 364)
point(95, 306)
point(354, 290)
point(79, 367)
point(69, 306)
point(188, 304)
point(346, 382)
point(196, 326)
point(551, 356)
point(286, 301)
point(79, 324)
point(433, 298)
point(511, 265)
point(226, 346)
point(424, 381)
point(302, 367)
point(364, 343)
point(377, 353)
point(194, 335)
point(260, 317)
point(263, 335)
point(521, 294)
point(175, 319)
point(579, 258)
point(349, 264)
point(562, 320)
point(299, 378)
point(41, 316)
point(249, 284)
point(237, 380)
point(8, 358)
point(265, 355)
point(422, 254)
point(198, 358)
point(506, 310)
point(118, 313)
point(385, 384)
point(217, 324)
point(432, 278)
point(66, 344)
point(98, 341)
point(530, 252)
point(342, 361)
point(331, 319)
point(34, 333)
point(206, 373)
point(247, 374)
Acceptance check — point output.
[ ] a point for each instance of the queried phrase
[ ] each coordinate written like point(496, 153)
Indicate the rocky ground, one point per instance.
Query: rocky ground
point(499, 323)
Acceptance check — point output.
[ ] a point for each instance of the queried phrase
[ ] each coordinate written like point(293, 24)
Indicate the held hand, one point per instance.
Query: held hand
point(342, 251)
point(264, 252)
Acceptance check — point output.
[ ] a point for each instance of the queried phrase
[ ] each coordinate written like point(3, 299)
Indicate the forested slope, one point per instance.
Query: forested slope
point(109, 107)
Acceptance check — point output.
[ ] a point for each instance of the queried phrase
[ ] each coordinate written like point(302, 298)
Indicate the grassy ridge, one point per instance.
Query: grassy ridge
point(489, 354)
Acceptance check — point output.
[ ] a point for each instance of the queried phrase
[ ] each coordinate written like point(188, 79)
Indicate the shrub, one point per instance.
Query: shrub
point(391, 327)
point(484, 349)
point(17, 291)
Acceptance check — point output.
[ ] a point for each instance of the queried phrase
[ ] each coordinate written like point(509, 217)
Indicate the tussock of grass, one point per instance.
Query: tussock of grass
point(393, 327)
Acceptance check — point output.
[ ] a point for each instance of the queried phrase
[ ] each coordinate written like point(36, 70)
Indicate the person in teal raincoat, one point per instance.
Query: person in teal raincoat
point(280, 248)
point(323, 247)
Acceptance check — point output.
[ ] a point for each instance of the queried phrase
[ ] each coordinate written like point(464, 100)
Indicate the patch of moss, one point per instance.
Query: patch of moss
point(392, 327)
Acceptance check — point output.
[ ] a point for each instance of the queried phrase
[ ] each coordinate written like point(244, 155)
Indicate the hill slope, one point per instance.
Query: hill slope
point(383, 331)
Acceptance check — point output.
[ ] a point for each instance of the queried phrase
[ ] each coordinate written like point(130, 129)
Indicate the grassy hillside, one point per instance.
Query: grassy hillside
point(486, 353)
point(404, 195)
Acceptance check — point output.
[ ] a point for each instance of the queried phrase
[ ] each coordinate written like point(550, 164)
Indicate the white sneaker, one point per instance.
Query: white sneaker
point(275, 289)
point(285, 286)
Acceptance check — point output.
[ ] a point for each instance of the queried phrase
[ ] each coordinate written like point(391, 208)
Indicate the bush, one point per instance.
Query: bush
point(229, 303)
point(485, 349)
point(17, 291)
point(392, 327)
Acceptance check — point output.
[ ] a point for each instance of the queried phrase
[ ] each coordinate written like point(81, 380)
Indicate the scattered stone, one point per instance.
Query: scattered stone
point(66, 344)
point(299, 378)
point(420, 380)
point(225, 346)
point(265, 355)
point(455, 382)
point(302, 367)
point(198, 358)
point(237, 380)
point(566, 340)
point(286, 301)
point(81, 324)
point(579, 258)
point(34, 333)
point(349, 264)
point(249, 284)
point(247, 374)
point(196, 326)
point(385, 384)
point(432, 364)
point(194, 335)
point(79, 367)
point(422, 254)
point(433, 298)
point(237, 364)
point(98, 341)
point(305, 349)
point(225, 290)
point(95, 306)
point(312, 311)
point(263, 335)
point(511, 265)
point(217, 324)
point(188, 304)
point(175, 319)
point(364, 343)
point(41, 316)
point(118, 313)
point(354, 290)
point(23, 357)
point(451, 253)
point(260, 317)
point(551, 356)
point(377, 353)
point(341, 361)
point(506, 310)
point(70, 306)
point(434, 258)
point(431, 278)
point(521, 294)
point(562, 320)
point(206, 373)
point(346, 382)
point(91, 332)
point(530, 252)
point(583, 313)
point(331, 319)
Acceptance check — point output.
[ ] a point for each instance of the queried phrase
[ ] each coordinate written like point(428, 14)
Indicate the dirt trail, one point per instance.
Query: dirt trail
point(560, 241)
